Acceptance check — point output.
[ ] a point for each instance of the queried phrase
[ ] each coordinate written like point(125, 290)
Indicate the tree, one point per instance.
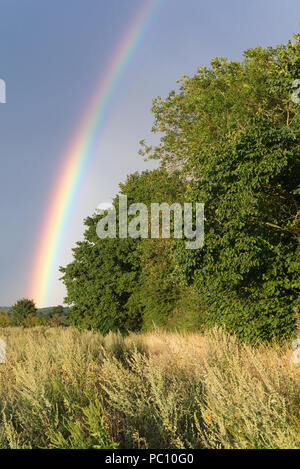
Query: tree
point(234, 133)
point(23, 310)
point(57, 311)
point(103, 281)
point(57, 317)
point(100, 281)
point(230, 138)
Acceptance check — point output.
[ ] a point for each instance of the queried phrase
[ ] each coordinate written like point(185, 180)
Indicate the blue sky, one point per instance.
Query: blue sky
point(51, 54)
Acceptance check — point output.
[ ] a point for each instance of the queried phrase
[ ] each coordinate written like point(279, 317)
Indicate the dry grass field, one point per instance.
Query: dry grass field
point(61, 388)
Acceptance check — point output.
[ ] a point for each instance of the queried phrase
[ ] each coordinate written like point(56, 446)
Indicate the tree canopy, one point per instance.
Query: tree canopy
point(230, 138)
point(23, 310)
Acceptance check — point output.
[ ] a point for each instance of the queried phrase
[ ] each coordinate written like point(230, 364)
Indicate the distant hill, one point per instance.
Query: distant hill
point(40, 311)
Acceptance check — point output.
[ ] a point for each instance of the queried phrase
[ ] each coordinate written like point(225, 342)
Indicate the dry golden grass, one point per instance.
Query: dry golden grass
point(69, 389)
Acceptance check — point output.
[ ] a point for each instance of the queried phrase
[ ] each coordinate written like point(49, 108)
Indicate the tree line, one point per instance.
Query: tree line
point(25, 313)
point(229, 138)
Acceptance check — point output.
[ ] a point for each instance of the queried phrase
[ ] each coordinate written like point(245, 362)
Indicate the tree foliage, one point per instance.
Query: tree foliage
point(104, 278)
point(23, 312)
point(230, 138)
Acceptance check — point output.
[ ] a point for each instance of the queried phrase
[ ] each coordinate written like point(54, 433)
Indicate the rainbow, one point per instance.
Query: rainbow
point(78, 155)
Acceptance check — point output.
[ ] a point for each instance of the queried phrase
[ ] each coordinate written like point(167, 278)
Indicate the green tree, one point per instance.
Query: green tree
point(100, 280)
point(230, 138)
point(57, 311)
point(104, 280)
point(234, 133)
point(23, 310)
point(57, 317)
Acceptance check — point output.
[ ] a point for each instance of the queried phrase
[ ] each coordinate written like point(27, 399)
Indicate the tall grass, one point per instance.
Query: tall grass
point(62, 388)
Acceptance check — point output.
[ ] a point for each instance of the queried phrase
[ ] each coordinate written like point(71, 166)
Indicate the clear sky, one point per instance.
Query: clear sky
point(52, 53)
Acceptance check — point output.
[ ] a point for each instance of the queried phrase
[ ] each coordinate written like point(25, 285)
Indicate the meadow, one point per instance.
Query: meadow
point(62, 388)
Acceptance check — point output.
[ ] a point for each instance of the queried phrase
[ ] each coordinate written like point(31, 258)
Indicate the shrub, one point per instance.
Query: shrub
point(5, 319)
